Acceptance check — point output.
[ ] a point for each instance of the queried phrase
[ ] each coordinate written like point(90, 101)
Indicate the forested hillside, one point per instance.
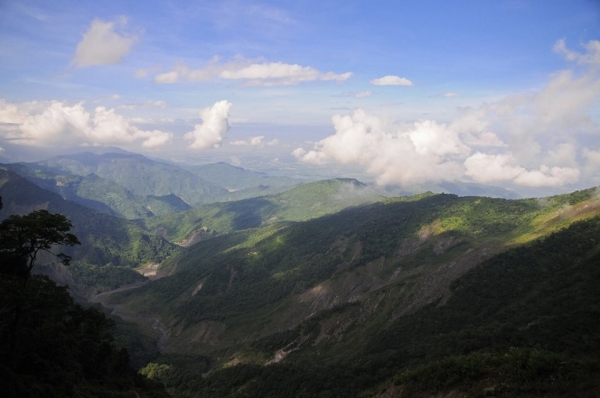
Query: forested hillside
point(339, 304)
point(303, 202)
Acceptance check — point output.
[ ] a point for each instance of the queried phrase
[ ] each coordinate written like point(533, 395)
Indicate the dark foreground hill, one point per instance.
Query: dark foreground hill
point(52, 347)
point(406, 297)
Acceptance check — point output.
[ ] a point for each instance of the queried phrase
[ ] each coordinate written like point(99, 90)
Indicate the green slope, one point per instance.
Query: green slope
point(300, 203)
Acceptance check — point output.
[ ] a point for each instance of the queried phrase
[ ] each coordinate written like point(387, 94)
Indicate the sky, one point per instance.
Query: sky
point(504, 92)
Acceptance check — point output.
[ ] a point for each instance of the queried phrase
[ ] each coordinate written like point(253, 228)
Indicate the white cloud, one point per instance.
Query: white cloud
point(250, 73)
point(363, 94)
point(10, 113)
point(103, 45)
point(144, 72)
point(58, 123)
point(214, 126)
point(391, 80)
point(450, 95)
point(591, 56)
point(425, 151)
point(548, 177)
point(529, 139)
point(168, 77)
point(255, 141)
point(491, 168)
point(146, 105)
point(496, 168)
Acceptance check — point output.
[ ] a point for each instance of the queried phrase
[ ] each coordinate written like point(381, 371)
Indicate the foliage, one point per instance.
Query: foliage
point(61, 349)
point(106, 277)
point(25, 236)
point(516, 372)
point(50, 346)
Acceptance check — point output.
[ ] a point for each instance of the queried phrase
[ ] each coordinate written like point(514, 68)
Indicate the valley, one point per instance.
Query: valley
point(325, 288)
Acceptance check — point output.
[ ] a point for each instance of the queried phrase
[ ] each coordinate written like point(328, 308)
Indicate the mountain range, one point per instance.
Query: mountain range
point(327, 288)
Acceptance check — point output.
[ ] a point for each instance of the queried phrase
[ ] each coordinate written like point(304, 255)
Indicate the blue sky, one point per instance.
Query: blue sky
point(496, 92)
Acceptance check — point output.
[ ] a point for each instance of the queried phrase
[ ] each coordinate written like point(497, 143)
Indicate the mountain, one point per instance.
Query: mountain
point(236, 178)
point(399, 295)
point(471, 189)
point(300, 203)
point(138, 174)
point(105, 240)
point(99, 193)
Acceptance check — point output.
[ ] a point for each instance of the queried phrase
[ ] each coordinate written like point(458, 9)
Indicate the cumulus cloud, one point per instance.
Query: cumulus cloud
point(250, 73)
point(104, 43)
point(532, 139)
point(394, 155)
point(487, 168)
point(392, 80)
point(59, 123)
point(214, 126)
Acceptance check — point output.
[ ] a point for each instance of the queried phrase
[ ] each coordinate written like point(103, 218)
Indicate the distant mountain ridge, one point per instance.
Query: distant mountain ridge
point(99, 193)
point(237, 178)
point(106, 240)
point(138, 174)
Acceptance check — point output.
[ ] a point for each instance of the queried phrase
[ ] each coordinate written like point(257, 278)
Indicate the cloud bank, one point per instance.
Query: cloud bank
point(251, 74)
point(533, 139)
point(256, 141)
point(57, 123)
point(391, 80)
point(102, 44)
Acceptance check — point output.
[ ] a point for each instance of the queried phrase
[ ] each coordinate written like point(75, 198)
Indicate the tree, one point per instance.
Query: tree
point(23, 237)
